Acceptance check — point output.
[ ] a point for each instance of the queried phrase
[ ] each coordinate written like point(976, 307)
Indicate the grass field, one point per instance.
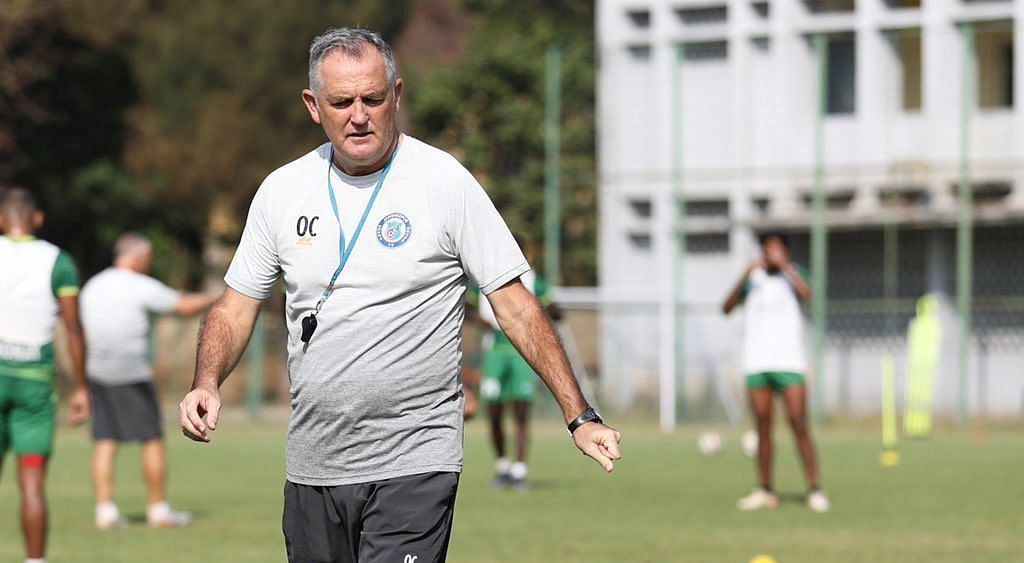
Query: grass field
point(954, 498)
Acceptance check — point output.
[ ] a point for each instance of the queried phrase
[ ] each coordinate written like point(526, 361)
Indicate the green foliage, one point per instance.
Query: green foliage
point(164, 117)
point(132, 115)
point(220, 84)
point(489, 110)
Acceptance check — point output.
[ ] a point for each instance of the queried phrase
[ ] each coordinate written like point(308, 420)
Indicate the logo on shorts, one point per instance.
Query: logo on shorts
point(393, 230)
point(410, 558)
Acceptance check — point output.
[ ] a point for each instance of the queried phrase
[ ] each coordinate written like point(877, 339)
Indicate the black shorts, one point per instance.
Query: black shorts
point(405, 519)
point(125, 413)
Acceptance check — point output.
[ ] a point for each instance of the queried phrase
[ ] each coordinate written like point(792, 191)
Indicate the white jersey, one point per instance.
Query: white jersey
point(376, 392)
point(26, 293)
point(34, 274)
point(116, 305)
point(774, 325)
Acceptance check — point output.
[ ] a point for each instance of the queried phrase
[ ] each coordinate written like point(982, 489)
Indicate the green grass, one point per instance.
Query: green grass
point(953, 498)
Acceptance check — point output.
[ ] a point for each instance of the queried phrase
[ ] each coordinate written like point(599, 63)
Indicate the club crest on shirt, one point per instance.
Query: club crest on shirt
point(393, 230)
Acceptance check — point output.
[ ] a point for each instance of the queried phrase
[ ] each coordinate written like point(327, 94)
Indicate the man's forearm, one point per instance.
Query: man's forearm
point(76, 348)
point(222, 339)
point(75, 338)
point(532, 334)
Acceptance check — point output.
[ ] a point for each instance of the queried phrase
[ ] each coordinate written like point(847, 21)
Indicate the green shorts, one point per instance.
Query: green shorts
point(507, 376)
point(776, 380)
point(28, 410)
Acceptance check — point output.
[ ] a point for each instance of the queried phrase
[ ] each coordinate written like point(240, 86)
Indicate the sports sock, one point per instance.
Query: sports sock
point(107, 511)
point(36, 560)
point(158, 511)
point(518, 470)
point(501, 467)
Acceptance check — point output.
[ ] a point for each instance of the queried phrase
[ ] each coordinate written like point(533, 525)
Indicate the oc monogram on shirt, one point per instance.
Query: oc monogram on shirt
point(306, 228)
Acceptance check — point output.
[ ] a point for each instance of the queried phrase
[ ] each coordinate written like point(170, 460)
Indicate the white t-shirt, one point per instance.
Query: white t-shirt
point(376, 393)
point(116, 305)
point(774, 325)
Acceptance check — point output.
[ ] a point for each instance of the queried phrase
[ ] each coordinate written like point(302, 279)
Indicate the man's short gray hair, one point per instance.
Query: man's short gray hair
point(350, 41)
point(130, 243)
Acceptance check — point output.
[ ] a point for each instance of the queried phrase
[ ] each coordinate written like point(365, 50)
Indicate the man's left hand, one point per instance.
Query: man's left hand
point(78, 406)
point(599, 442)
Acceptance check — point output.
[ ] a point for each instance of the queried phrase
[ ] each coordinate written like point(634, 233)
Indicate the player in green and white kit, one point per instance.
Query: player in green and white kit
point(774, 360)
point(509, 380)
point(38, 282)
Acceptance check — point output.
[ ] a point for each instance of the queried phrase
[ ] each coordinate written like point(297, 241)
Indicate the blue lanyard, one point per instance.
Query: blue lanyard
point(345, 251)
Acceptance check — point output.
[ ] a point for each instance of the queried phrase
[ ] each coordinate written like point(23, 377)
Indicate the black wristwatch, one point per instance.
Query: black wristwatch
point(589, 415)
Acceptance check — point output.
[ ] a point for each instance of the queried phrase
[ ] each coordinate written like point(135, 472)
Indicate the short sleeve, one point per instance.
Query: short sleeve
point(64, 279)
point(481, 239)
point(256, 266)
point(157, 297)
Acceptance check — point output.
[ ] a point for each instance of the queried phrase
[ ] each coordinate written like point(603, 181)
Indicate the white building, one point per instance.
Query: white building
point(894, 138)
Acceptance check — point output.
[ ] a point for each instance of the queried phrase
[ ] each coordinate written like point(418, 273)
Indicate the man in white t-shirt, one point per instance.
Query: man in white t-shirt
point(375, 236)
point(117, 305)
point(774, 360)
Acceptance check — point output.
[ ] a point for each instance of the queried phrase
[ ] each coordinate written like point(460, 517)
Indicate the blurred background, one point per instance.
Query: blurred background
point(883, 135)
point(639, 147)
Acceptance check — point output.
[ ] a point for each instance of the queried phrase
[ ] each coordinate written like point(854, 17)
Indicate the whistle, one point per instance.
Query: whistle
point(308, 327)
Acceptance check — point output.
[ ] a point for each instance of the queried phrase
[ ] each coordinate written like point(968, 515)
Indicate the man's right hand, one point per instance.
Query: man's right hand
point(199, 402)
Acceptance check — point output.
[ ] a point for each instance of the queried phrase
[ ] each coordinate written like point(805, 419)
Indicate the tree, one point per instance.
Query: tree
point(219, 98)
point(488, 109)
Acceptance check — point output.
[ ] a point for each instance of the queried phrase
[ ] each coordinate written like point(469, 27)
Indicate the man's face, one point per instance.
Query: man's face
point(356, 106)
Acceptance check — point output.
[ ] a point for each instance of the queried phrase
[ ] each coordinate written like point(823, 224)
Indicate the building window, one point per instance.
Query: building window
point(761, 9)
point(707, 208)
point(761, 205)
point(834, 200)
point(994, 50)
point(761, 44)
point(707, 243)
point(830, 6)
point(641, 207)
point(842, 75)
point(640, 241)
point(908, 45)
point(896, 4)
point(706, 50)
point(639, 52)
point(702, 16)
point(639, 18)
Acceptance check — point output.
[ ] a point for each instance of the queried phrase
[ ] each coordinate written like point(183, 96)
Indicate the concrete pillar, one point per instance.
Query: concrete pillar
point(941, 97)
point(1016, 199)
point(874, 83)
